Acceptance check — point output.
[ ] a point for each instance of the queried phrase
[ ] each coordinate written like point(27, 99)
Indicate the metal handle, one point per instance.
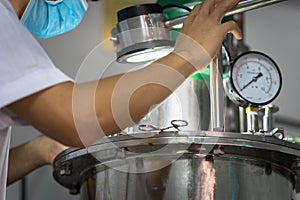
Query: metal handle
point(177, 123)
point(243, 6)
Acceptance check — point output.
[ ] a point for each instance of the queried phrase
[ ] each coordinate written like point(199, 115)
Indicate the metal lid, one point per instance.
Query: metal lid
point(70, 164)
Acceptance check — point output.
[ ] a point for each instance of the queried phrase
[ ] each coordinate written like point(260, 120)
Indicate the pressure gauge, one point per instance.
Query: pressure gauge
point(253, 78)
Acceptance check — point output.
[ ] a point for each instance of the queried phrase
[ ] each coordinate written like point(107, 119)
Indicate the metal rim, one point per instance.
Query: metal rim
point(278, 153)
point(137, 10)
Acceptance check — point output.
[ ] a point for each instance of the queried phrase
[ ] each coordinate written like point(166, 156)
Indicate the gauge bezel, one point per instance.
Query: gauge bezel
point(232, 91)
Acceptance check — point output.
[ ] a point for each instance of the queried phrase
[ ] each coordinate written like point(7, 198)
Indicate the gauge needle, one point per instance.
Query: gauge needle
point(253, 80)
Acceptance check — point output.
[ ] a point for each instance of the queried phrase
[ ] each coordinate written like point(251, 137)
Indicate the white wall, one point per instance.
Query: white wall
point(273, 30)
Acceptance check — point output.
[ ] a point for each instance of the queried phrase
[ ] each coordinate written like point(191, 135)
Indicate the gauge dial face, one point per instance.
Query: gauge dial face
point(256, 78)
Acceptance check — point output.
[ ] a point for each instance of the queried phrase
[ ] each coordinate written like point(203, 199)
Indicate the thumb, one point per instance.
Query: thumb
point(232, 27)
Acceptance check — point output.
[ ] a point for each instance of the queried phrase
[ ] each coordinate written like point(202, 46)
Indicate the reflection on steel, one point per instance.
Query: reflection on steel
point(243, 6)
point(206, 174)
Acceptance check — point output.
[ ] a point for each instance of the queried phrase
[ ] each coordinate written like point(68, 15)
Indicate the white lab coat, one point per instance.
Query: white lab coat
point(25, 69)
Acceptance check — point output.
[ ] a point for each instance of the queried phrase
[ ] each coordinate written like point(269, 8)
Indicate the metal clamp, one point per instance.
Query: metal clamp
point(174, 124)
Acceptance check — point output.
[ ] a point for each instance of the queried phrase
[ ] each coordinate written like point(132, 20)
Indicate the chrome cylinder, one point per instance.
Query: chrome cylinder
point(268, 119)
point(139, 29)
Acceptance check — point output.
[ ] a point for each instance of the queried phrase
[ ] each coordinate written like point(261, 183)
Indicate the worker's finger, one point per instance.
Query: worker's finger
point(209, 5)
point(195, 10)
point(232, 27)
point(223, 7)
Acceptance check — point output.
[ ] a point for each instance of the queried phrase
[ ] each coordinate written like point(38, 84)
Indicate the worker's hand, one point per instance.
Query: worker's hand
point(27, 157)
point(46, 149)
point(203, 32)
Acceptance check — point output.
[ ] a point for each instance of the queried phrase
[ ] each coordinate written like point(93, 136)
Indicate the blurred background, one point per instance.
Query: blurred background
point(273, 30)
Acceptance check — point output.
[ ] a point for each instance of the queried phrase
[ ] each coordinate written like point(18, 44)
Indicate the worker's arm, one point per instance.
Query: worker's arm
point(109, 101)
point(57, 111)
point(19, 6)
point(30, 156)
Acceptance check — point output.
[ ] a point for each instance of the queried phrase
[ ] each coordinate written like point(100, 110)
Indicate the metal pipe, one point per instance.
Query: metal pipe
point(216, 94)
point(212, 91)
point(243, 6)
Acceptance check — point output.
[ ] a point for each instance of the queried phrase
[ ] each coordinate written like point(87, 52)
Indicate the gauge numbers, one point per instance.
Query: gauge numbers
point(256, 78)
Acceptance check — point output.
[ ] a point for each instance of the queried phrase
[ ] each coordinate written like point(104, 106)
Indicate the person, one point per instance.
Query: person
point(31, 155)
point(77, 114)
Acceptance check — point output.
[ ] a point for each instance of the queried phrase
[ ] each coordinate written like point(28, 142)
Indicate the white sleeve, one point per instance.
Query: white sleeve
point(25, 67)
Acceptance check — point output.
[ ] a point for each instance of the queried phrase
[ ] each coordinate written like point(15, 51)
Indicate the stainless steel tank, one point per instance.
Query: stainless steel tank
point(189, 102)
point(181, 165)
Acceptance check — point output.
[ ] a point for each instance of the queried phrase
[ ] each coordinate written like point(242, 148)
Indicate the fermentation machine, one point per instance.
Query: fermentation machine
point(214, 138)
